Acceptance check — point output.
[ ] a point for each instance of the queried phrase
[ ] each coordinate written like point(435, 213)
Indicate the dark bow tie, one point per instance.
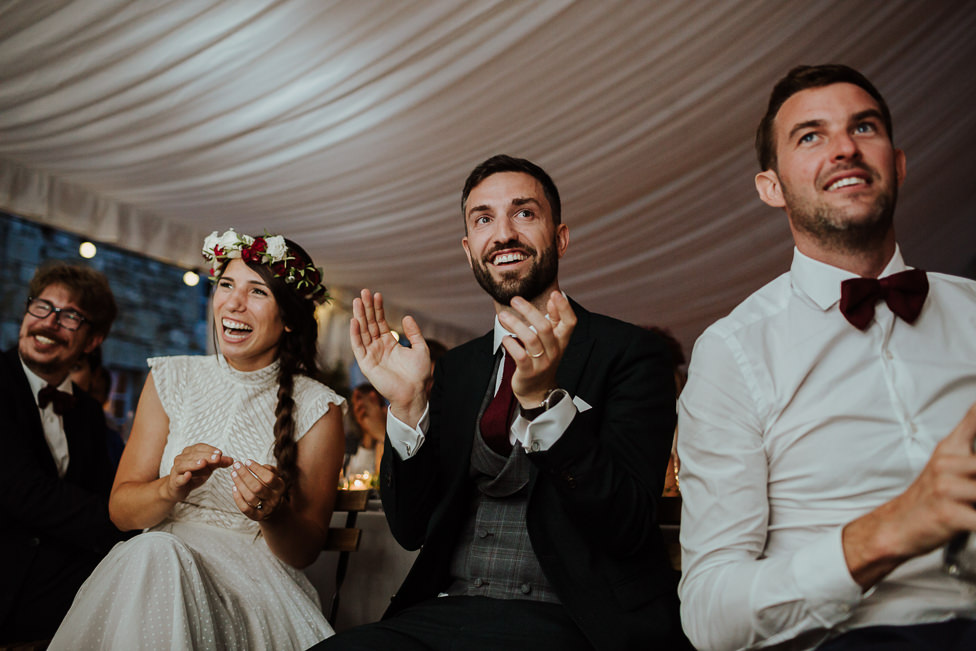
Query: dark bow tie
point(60, 400)
point(904, 293)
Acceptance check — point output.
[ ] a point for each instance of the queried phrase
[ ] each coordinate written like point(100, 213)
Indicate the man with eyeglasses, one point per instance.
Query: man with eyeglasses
point(56, 478)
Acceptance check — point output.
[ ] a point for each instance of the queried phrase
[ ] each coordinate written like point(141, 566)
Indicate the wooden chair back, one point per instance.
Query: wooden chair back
point(344, 539)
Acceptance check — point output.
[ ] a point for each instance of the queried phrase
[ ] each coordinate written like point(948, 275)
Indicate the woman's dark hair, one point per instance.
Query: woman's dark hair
point(297, 355)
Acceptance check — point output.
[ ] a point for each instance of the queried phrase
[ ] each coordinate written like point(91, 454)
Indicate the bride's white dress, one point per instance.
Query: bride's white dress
point(204, 578)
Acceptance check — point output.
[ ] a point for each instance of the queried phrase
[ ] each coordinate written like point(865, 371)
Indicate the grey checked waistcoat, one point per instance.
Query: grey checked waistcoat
point(494, 556)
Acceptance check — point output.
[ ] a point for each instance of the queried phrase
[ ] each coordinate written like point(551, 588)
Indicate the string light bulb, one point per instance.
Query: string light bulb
point(87, 250)
point(191, 278)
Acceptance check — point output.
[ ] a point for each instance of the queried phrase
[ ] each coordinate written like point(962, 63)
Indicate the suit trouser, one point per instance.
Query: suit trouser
point(952, 635)
point(43, 600)
point(467, 624)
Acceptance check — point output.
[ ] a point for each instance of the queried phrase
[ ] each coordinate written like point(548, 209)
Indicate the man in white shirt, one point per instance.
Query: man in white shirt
point(827, 462)
point(529, 480)
point(57, 476)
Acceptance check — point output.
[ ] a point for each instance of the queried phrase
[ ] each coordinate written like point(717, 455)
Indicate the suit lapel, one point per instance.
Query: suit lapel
point(28, 415)
point(469, 383)
point(577, 353)
point(76, 428)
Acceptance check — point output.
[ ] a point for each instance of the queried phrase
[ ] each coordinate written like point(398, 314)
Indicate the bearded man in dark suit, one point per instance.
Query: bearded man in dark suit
point(56, 480)
point(536, 517)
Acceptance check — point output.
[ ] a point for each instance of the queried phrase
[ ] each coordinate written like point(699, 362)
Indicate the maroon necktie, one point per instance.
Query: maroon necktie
point(494, 422)
point(904, 293)
point(60, 400)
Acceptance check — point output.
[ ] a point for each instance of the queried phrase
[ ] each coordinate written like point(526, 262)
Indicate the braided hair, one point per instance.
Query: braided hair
point(297, 355)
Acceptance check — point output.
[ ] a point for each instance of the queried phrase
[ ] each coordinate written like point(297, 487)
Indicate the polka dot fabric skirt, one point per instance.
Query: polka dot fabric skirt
point(187, 585)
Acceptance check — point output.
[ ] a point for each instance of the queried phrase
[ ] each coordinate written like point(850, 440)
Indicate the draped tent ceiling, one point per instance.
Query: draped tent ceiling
point(350, 127)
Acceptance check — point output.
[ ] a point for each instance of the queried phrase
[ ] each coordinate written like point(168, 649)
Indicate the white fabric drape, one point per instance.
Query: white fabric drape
point(350, 126)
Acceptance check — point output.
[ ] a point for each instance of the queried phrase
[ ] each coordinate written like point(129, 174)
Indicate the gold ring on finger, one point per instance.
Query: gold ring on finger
point(541, 353)
point(259, 505)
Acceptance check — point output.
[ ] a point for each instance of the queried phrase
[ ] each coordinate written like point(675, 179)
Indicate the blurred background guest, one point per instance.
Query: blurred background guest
point(671, 487)
point(93, 378)
point(369, 412)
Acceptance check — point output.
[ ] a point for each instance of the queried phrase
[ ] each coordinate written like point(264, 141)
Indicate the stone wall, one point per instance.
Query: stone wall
point(158, 313)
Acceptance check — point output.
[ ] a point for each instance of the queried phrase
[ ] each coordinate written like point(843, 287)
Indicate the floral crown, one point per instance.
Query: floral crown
point(270, 250)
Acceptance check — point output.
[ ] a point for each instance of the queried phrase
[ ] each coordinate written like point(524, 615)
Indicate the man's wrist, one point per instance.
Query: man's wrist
point(551, 399)
point(409, 413)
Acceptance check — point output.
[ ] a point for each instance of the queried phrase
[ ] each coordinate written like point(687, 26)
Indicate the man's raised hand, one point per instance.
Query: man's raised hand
point(397, 372)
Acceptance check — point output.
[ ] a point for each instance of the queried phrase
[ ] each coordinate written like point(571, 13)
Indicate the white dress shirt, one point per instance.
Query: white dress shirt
point(794, 423)
point(53, 426)
point(536, 435)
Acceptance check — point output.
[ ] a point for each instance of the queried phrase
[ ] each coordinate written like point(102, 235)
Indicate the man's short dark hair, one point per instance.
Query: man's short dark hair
point(502, 163)
point(803, 78)
point(368, 389)
point(89, 288)
point(674, 346)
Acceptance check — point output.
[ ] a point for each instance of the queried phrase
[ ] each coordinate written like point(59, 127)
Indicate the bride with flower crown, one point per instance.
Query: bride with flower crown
point(231, 468)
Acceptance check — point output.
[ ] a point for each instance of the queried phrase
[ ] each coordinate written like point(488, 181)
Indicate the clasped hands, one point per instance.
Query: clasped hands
point(400, 374)
point(257, 490)
point(934, 508)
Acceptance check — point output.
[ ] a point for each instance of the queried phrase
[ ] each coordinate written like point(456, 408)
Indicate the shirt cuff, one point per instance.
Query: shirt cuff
point(821, 574)
point(406, 440)
point(540, 434)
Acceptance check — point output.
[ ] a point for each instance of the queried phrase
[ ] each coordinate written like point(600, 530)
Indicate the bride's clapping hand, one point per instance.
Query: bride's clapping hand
point(258, 490)
point(192, 467)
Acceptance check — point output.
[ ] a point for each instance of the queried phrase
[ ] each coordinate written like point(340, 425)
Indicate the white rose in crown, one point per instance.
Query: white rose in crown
point(229, 243)
point(208, 245)
point(277, 248)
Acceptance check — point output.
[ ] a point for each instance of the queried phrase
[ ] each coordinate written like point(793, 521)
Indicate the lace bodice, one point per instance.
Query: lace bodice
point(208, 401)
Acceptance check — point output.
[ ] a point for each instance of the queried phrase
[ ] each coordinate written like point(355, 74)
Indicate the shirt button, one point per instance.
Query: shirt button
point(34, 542)
point(525, 588)
point(535, 446)
point(478, 582)
point(482, 533)
point(888, 354)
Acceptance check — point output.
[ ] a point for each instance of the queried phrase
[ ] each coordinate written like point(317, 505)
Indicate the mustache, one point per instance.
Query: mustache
point(50, 334)
point(510, 244)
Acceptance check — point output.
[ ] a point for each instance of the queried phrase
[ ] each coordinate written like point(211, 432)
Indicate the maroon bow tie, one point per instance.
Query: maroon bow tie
point(60, 400)
point(904, 293)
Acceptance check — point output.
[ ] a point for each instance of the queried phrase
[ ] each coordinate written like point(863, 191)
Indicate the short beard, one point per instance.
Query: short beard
point(838, 233)
point(37, 367)
point(540, 277)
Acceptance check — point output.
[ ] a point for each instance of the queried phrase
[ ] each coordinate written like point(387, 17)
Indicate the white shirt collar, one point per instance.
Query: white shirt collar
point(821, 281)
point(499, 334)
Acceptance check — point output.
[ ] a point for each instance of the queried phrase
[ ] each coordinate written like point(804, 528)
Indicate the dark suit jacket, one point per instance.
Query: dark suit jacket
point(592, 496)
point(54, 530)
